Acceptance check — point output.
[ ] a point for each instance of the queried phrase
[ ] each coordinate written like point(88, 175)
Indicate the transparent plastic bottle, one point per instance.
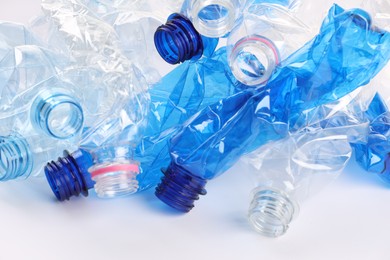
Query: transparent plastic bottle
point(32, 137)
point(289, 171)
point(178, 96)
point(114, 125)
point(38, 111)
point(345, 55)
point(266, 35)
point(25, 155)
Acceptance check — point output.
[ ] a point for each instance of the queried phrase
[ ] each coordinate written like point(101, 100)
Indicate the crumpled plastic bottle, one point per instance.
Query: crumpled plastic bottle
point(289, 171)
point(118, 120)
point(39, 112)
point(346, 54)
point(179, 95)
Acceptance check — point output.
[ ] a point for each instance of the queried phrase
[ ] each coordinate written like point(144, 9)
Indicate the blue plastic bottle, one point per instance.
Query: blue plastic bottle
point(346, 54)
point(373, 154)
point(179, 95)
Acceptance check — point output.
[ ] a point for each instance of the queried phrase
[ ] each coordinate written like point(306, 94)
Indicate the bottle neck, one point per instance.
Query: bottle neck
point(116, 178)
point(271, 211)
point(16, 158)
point(114, 171)
point(177, 40)
point(214, 18)
point(253, 59)
point(57, 114)
point(179, 188)
point(69, 176)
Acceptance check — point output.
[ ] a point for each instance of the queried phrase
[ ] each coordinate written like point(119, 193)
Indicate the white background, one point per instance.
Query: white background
point(350, 219)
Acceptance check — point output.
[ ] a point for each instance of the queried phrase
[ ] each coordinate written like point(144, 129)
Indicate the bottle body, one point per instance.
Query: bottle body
point(291, 170)
point(215, 138)
point(177, 97)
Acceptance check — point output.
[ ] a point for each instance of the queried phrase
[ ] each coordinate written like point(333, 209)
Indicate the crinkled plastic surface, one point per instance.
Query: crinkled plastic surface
point(179, 95)
point(134, 23)
point(322, 146)
point(94, 49)
point(25, 63)
point(373, 153)
point(301, 164)
point(29, 70)
point(267, 34)
point(114, 30)
point(319, 73)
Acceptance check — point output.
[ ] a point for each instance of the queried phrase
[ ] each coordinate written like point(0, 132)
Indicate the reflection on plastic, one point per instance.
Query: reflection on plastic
point(345, 55)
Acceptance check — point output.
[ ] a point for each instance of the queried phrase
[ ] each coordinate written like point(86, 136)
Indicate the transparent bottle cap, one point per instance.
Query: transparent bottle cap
point(58, 115)
point(214, 18)
point(253, 59)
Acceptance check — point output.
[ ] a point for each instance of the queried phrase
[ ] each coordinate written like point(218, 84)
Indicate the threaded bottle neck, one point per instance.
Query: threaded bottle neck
point(69, 176)
point(15, 157)
point(214, 18)
point(179, 189)
point(177, 40)
point(115, 179)
point(56, 114)
point(271, 212)
point(253, 59)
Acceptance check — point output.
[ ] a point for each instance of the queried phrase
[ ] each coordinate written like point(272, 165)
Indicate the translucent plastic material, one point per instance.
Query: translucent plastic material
point(57, 114)
point(37, 108)
point(213, 18)
point(346, 54)
point(380, 9)
point(24, 156)
point(290, 170)
point(178, 96)
point(267, 34)
point(134, 23)
point(373, 152)
point(114, 89)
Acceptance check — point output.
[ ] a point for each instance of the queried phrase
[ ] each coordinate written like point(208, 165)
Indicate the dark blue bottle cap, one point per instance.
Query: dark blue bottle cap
point(179, 189)
point(69, 175)
point(177, 40)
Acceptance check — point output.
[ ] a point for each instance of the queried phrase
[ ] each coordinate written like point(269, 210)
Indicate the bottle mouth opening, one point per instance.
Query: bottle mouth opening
point(271, 212)
point(57, 115)
point(177, 40)
point(214, 18)
point(115, 179)
point(65, 120)
point(253, 59)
